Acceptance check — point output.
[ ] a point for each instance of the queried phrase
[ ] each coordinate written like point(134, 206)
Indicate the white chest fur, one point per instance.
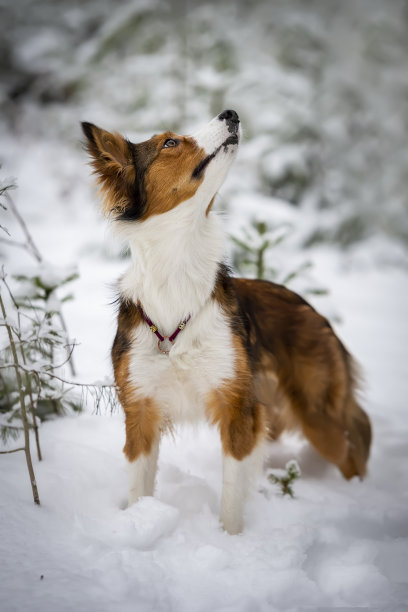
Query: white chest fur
point(200, 359)
point(175, 258)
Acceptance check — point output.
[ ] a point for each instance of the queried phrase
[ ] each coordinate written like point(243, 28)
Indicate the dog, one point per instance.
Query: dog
point(193, 342)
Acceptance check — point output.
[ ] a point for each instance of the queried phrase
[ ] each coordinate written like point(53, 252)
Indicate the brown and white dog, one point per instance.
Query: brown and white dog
point(193, 342)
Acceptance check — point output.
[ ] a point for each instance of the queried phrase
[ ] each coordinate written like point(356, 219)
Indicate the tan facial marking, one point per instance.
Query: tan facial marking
point(168, 180)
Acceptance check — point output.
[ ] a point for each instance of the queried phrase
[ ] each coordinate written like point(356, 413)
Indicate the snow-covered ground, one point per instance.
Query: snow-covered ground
point(337, 545)
point(319, 91)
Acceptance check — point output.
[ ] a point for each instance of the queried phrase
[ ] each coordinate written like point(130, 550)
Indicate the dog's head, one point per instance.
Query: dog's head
point(153, 177)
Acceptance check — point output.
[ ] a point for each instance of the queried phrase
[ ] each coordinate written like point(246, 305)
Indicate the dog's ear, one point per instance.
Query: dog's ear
point(112, 163)
point(108, 150)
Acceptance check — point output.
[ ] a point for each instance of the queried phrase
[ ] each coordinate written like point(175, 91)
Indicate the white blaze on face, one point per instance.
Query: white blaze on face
point(212, 135)
point(219, 139)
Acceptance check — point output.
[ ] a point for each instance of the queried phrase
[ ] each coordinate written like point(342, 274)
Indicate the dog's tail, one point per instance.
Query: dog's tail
point(359, 432)
point(341, 430)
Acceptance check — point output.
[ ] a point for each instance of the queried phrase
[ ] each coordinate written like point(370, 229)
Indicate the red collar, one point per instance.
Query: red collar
point(154, 330)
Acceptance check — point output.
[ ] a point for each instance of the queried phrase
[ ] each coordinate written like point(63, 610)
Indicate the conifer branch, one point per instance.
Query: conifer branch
point(286, 480)
point(22, 353)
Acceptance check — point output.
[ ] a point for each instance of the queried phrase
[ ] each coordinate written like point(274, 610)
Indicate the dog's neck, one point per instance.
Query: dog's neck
point(175, 258)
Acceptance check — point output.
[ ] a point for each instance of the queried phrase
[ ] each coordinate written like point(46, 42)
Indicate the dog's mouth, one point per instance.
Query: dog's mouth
point(200, 168)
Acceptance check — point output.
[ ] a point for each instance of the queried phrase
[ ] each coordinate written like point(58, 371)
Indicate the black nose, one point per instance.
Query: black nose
point(229, 116)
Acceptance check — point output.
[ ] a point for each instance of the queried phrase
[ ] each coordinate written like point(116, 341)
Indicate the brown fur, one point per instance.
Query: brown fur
point(291, 369)
point(307, 374)
point(142, 427)
point(233, 407)
point(144, 179)
point(209, 207)
point(112, 163)
point(142, 415)
point(168, 180)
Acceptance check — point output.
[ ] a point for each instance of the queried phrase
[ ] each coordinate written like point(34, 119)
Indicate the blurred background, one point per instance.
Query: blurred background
point(321, 87)
point(317, 198)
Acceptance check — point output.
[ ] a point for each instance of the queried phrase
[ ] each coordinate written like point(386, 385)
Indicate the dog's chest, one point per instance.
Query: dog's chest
point(201, 359)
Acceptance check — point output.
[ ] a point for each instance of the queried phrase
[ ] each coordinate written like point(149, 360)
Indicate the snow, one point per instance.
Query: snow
point(336, 545)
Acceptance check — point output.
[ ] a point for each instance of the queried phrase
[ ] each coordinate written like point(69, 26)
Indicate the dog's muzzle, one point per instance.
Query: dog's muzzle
point(232, 120)
point(217, 136)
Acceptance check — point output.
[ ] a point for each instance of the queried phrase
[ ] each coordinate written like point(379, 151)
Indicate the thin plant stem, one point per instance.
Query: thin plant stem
point(6, 392)
point(52, 375)
point(31, 246)
point(69, 353)
point(27, 377)
point(13, 243)
point(32, 408)
point(23, 408)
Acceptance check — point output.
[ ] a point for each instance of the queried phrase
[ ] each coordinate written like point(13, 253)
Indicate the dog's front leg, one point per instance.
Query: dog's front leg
point(241, 421)
point(142, 474)
point(142, 447)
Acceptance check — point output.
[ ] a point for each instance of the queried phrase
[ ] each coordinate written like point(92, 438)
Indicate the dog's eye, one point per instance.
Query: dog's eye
point(170, 142)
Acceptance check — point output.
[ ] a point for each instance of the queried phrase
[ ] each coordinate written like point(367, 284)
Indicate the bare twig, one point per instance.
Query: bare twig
point(3, 278)
point(32, 248)
point(32, 408)
point(52, 375)
point(69, 353)
point(101, 393)
point(14, 243)
point(23, 408)
point(29, 241)
point(13, 450)
point(70, 349)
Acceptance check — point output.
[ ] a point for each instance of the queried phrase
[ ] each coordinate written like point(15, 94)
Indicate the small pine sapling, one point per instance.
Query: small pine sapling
point(286, 480)
point(42, 345)
point(35, 347)
point(23, 411)
point(250, 249)
point(252, 252)
point(38, 330)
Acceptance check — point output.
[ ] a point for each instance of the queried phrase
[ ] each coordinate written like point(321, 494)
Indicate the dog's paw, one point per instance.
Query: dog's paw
point(147, 521)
